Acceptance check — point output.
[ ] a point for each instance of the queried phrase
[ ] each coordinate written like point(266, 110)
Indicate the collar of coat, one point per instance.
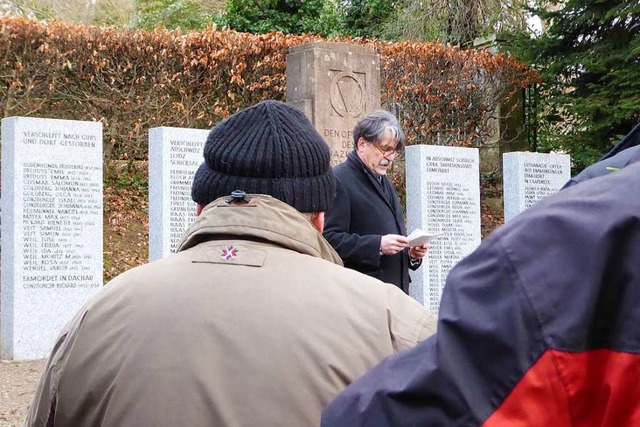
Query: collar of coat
point(353, 156)
point(265, 218)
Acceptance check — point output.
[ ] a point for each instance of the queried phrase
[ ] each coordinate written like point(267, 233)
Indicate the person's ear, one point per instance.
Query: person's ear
point(317, 220)
point(361, 143)
point(199, 209)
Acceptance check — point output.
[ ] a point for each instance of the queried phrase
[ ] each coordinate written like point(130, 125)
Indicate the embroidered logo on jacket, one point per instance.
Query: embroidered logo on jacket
point(229, 253)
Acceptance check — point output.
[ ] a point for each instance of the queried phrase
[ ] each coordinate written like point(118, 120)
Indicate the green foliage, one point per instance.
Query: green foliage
point(117, 13)
point(589, 58)
point(126, 175)
point(172, 14)
point(287, 16)
point(329, 18)
point(453, 21)
point(77, 11)
point(418, 21)
point(95, 12)
point(366, 18)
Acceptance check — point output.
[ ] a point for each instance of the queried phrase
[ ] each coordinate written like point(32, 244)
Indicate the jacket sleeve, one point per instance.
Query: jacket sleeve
point(42, 411)
point(362, 251)
point(413, 265)
point(487, 338)
point(409, 322)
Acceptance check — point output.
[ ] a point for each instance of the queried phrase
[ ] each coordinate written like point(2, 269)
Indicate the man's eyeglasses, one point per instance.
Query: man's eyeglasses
point(386, 151)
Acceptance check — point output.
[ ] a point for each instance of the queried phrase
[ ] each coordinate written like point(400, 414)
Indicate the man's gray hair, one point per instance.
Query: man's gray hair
point(373, 127)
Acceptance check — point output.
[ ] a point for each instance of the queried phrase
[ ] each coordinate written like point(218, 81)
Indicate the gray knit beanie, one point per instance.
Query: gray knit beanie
point(270, 148)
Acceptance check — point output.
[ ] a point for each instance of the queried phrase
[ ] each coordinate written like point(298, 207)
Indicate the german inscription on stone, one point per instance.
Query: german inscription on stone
point(174, 156)
point(51, 228)
point(443, 195)
point(529, 177)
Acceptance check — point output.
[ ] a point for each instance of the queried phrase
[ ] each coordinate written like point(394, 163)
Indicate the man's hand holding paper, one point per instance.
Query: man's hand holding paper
point(418, 252)
point(420, 237)
point(419, 243)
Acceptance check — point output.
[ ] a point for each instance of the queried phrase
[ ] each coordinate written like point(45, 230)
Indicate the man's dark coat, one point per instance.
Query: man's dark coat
point(363, 211)
point(538, 327)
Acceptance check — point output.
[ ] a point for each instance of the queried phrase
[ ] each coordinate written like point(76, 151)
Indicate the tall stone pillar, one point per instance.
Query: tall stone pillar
point(508, 125)
point(335, 84)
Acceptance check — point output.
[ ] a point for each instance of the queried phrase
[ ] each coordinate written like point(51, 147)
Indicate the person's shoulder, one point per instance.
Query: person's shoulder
point(149, 273)
point(341, 169)
point(355, 280)
point(609, 165)
point(347, 173)
point(585, 220)
point(613, 186)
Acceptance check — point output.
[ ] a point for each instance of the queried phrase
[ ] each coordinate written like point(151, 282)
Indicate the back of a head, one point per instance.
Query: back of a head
point(270, 148)
point(373, 127)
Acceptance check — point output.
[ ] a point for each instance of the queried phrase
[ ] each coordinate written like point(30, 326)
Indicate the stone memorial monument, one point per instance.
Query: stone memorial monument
point(335, 84)
point(174, 156)
point(51, 229)
point(528, 177)
point(506, 125)
point(443, 196)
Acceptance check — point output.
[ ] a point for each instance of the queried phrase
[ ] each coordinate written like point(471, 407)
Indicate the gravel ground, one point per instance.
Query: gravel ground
point(18, 383)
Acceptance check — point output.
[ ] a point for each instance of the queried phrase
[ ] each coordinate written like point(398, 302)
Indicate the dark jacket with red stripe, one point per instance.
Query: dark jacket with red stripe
point(539, 327)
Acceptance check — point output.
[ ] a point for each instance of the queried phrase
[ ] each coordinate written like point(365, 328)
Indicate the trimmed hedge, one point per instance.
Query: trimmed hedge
point(133, 80)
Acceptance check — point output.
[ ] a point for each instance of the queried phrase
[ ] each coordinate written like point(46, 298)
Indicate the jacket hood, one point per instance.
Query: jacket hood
point(263, 218)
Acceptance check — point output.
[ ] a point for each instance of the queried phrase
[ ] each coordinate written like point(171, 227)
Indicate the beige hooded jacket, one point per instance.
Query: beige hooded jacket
point(252, 323)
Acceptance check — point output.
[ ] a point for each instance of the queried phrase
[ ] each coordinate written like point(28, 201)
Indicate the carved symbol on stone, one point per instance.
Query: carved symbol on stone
point(347, 94)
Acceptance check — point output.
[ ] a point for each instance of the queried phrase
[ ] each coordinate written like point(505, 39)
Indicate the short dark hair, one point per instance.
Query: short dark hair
point(373, 127)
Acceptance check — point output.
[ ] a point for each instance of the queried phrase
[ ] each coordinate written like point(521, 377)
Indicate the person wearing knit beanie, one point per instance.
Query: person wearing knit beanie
point(270, 148)
point(253, 322)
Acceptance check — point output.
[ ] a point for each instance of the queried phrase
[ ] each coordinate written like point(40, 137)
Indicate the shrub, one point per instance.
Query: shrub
point(133, 80)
